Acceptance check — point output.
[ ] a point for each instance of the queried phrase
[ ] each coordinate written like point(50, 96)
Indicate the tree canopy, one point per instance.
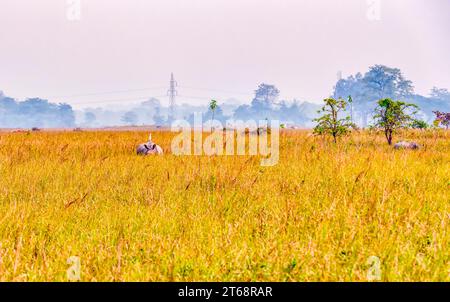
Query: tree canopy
point(392, 115)
point(34, 112)
point(379, 82)
point(330, 122)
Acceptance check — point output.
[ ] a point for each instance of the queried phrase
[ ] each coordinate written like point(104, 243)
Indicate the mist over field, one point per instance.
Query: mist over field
point(78, 67)
point(364, 88)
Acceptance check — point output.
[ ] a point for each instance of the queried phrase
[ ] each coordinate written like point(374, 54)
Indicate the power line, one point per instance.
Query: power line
point(139, 98)
point(105, 92)
point(172, 93)
point(193, 97)
point(117, 100)
point(218, 90)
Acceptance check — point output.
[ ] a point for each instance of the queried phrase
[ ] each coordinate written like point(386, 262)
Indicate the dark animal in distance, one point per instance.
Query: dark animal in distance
point(406, 145)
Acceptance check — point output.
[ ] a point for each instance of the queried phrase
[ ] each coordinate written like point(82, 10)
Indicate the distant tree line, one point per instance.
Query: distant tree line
point(34, 112)
point(361, 92)
point(382, 82)
point(389, 116)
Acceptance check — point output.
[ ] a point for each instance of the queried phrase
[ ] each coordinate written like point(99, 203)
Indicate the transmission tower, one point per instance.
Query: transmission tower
point(172, 93)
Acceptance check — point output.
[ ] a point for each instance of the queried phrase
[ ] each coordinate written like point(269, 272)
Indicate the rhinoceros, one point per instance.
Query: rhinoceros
point(149, 148)
point(406, 145)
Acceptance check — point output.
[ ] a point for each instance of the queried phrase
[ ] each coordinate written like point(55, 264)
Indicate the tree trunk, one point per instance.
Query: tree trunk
point(388, 135)
point(212, 120)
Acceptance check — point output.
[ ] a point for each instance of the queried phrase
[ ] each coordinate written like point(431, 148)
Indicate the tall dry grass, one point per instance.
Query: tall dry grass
point(316, 216)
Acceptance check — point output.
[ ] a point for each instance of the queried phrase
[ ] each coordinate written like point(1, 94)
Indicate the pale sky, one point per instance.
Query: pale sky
point(124, 50)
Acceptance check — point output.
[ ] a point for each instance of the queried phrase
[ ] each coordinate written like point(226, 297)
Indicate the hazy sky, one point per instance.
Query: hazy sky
point(216, 48)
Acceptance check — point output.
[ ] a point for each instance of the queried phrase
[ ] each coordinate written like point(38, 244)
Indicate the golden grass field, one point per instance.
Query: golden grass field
point(316, 216)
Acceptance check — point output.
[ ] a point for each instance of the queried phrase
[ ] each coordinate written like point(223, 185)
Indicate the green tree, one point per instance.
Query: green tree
point(330, 122)
point(393, 115)
point(212, 107)
point(419, 124)
point(350, 101)
point(379, 82)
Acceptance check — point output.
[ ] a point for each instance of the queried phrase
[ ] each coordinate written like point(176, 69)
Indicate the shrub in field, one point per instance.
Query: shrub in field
point(330, 122)
point(442, 118)
point(392, 115)
point(419, 124)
